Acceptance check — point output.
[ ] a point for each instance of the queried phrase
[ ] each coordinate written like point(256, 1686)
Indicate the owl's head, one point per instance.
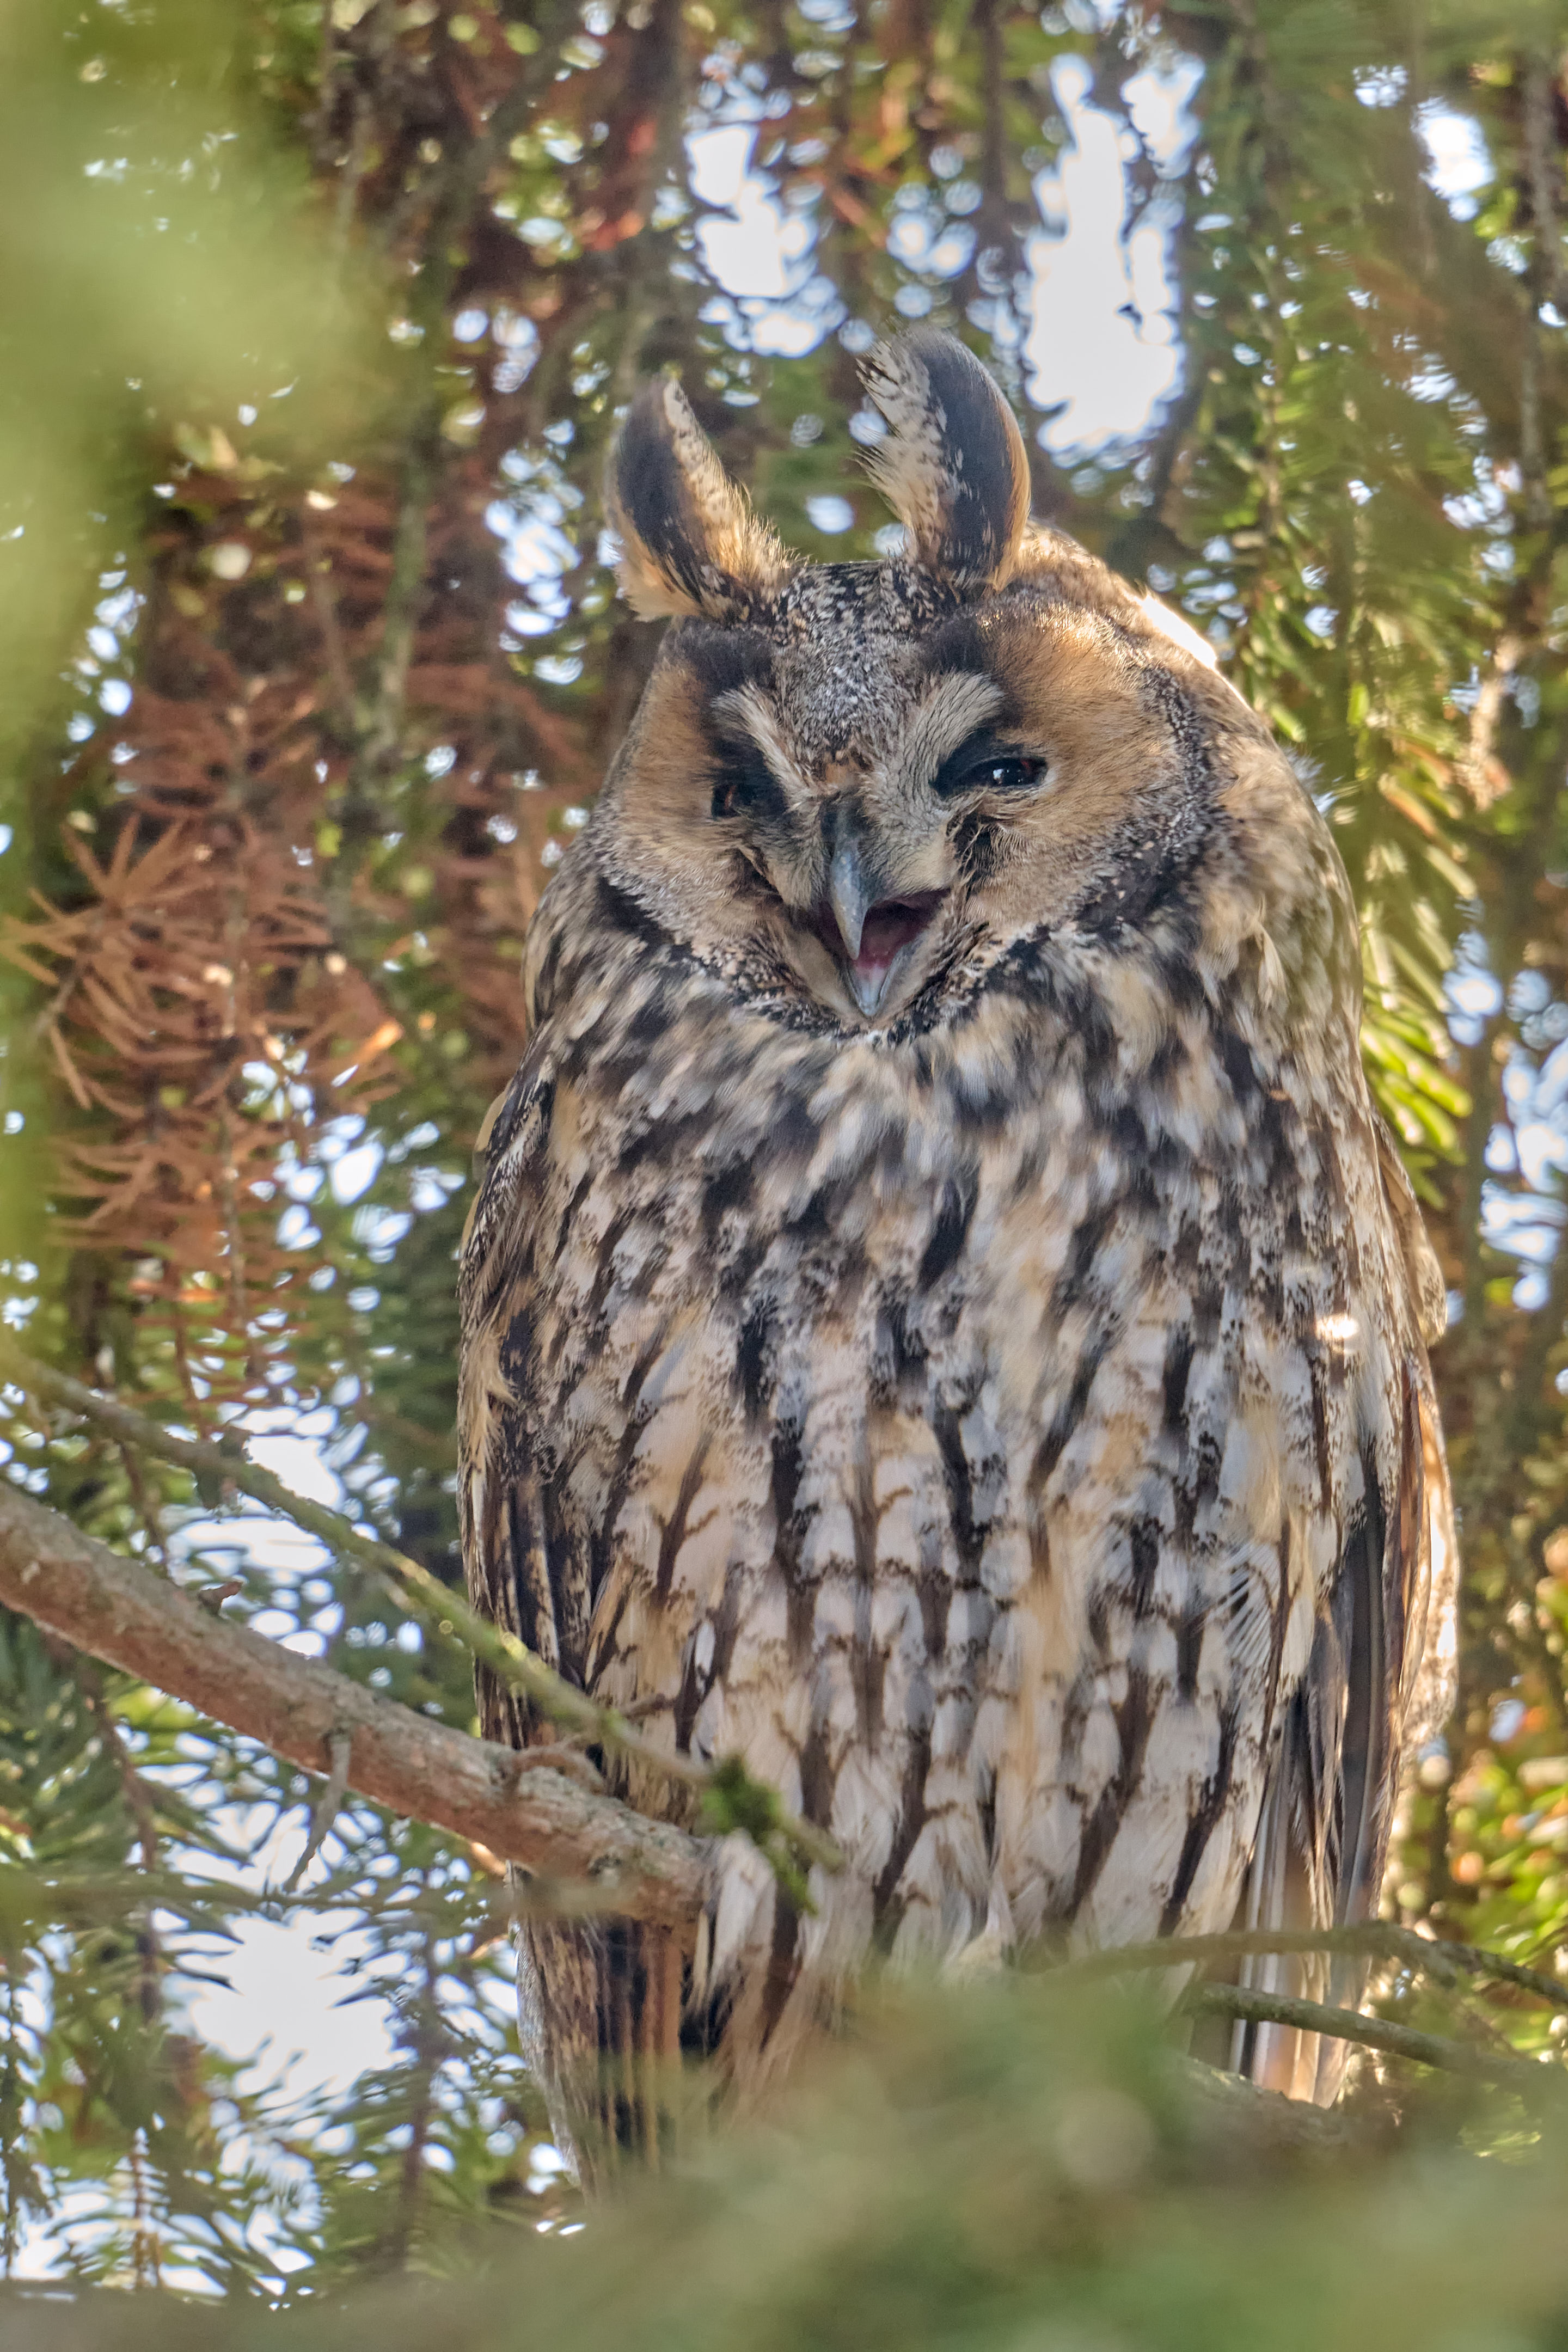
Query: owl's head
point(845, 779)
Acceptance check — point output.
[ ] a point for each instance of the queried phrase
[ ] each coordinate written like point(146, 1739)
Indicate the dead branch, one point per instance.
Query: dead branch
point(114, 1609)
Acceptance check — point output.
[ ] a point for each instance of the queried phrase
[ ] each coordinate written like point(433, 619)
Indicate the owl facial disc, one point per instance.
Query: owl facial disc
point(853, 787)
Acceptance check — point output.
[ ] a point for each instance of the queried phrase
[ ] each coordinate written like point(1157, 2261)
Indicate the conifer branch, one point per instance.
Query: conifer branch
point(1376, 1939)
point(1522, 2075)
point(116, 1609)
point(728, 1797)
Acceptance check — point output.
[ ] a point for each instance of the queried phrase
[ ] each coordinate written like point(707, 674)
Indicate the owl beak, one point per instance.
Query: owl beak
point(875, 931)
point(848, 895)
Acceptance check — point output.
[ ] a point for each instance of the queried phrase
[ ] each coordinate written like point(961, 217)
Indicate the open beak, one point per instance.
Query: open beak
point(849, 896)
point(875, 932)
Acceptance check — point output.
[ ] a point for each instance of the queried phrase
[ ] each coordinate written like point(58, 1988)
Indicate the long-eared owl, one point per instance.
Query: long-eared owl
point(943, 1317)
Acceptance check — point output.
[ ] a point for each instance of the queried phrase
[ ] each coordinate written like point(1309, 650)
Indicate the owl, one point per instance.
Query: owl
point(942, 1319)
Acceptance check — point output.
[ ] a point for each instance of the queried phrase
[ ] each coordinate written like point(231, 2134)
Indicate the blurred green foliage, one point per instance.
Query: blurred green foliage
point(162, 262)
point(1000, 2169)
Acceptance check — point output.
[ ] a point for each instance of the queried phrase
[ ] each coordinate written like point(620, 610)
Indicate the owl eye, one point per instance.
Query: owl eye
point(984, 767)
point(1005, 775)
point(745, 785)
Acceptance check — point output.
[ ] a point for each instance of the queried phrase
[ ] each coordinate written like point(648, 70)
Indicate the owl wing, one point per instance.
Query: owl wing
point(1431, 1642)
point(599, 2005)
point(1380, 1680)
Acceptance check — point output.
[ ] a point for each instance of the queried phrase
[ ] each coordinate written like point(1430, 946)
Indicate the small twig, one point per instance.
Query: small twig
point(1375, 2034)
point(318, 122)
point(340, 1747)
point(1379, 1939)
point(1544, 171)
point(139, 1799)
point(145, 1504)
point(138, 1795)
point(318, 577)
point(743, 1803)
point(1242, 2116)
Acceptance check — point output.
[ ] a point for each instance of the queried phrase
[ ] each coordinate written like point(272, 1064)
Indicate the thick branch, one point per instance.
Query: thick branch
point(117, 1611)
point(731, 1800)
point(1236, 2117)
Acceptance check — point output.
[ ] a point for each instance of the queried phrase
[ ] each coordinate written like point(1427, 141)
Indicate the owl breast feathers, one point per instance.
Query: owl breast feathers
point(942, 1319)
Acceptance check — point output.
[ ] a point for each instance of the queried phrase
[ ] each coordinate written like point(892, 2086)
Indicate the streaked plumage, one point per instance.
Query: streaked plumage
point(941, 1312)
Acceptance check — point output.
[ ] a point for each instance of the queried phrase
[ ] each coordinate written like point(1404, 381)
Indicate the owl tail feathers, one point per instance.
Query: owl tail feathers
point(599, 2008)
point(1279, 1896)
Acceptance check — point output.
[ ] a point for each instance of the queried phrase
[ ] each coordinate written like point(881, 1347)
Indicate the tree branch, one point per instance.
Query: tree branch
point(731, 1800)
point(116, 1609)
point(1237, 2117)
point(1522, 2075)
point(1378, 1939)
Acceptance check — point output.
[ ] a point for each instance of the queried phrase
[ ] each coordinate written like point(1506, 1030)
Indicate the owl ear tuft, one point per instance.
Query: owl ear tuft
point(953, 469)
point(689, 542)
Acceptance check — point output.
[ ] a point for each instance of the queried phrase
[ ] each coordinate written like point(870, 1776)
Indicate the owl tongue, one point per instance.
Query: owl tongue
point(871, 934)
point(892, 925)
point(888, 927)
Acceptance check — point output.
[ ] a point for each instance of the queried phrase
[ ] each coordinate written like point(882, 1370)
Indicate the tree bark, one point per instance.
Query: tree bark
point(119, 1611)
